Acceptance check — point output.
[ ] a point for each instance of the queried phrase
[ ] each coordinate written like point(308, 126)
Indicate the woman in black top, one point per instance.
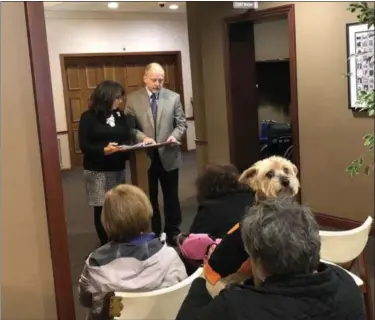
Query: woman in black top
point(103, 129)
point(222, 200)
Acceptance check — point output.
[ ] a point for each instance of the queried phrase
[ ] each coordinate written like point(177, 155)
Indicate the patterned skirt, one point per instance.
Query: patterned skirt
point(97, 183)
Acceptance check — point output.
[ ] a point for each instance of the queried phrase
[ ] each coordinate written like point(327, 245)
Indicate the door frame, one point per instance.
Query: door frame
point(252, 15)
point(65, 56)
point(53, 191)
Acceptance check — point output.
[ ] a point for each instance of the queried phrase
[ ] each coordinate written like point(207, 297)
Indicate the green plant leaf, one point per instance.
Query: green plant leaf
point(365, 99)
point(369, 139)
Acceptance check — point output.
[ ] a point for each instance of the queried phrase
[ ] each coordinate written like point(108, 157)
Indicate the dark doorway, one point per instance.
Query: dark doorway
point(243, 74)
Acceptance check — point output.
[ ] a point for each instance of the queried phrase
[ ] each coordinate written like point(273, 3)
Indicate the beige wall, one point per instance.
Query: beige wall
point(271, 39)
point(329, 134)
point(27, 290)
point(195, 43)
point(207, 68)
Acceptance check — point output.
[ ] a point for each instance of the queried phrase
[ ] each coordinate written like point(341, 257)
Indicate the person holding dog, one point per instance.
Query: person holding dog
point(268, 178)
point(160, 118)
point(289, 281)
point(222, 200)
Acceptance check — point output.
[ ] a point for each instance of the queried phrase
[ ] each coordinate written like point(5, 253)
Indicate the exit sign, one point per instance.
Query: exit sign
point(245, 4)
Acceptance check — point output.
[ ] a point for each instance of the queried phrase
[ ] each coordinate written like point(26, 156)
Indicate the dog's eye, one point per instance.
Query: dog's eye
point(270, 174)
point(286, 170)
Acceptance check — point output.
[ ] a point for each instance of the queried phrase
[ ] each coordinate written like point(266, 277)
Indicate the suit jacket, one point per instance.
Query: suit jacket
point(170, 121)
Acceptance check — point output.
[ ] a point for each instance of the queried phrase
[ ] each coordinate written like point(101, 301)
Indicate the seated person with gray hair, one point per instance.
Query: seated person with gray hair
point(289, 281)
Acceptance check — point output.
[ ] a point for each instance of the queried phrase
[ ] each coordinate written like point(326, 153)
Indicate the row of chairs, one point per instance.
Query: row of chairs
point(343, 248)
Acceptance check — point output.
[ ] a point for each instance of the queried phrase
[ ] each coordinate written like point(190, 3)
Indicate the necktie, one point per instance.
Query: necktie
point(154, 107)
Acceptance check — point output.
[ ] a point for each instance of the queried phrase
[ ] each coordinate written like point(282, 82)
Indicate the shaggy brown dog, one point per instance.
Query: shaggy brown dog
point(269, 178)
point(272, 177)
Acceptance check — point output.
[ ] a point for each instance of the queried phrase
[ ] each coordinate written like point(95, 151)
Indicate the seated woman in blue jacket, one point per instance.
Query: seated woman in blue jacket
point(289, 282)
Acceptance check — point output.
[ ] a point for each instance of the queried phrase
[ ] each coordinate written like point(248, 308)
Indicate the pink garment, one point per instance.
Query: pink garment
point(196, 247)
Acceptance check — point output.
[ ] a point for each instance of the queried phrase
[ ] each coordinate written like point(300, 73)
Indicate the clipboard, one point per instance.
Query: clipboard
point(142, 145)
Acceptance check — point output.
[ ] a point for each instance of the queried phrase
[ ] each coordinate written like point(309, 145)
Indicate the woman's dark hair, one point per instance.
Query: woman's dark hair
point(103, 97)
point(218, 180)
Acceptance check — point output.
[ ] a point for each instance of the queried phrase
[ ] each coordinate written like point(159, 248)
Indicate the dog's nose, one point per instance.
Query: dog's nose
point(284, 181)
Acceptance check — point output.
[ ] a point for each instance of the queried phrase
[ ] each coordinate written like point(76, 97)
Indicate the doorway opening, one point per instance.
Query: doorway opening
point(262, 104)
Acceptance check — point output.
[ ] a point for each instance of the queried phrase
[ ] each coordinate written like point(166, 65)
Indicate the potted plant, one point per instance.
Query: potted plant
point(365, 101)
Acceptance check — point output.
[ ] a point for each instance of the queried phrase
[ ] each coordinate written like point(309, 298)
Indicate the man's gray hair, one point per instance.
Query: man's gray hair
point(283, 235)
point(153, 65)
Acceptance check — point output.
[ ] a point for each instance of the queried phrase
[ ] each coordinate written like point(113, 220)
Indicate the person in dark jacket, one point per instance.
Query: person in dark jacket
point(222, 200)
point(289, 282)
point(267, 178)
point(103, 130)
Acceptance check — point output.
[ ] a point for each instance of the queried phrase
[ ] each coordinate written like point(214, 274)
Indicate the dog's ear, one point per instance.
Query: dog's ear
point(295, 169)
point(248, 174)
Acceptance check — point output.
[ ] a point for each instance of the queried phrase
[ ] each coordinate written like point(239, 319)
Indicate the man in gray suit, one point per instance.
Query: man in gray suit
point(159, 118)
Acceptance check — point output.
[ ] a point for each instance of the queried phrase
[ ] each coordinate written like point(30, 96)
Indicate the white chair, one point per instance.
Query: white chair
point(358, 281)
point(345, 248)
point(155, 305)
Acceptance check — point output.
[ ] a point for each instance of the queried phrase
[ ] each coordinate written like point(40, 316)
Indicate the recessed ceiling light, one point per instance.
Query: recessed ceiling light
point(173, 7)
point(112, 5)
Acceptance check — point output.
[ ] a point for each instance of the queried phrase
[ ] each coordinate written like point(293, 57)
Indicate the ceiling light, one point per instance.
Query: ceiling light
point(173, 7)
point(112, 5)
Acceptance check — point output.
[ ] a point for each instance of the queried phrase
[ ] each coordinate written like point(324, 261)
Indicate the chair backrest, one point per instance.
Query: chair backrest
point(341, 247)
point(155, 305)
point(358, 281)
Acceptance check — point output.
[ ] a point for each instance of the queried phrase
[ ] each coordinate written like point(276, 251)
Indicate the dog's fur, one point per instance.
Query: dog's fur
point(272, 177)
point(268, 178)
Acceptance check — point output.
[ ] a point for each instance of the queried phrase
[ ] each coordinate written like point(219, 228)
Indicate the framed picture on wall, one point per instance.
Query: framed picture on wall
point(360, 53)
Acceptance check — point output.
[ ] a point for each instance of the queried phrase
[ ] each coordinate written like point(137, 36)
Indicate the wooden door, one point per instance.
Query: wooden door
point(81, 74)
point(242, 95)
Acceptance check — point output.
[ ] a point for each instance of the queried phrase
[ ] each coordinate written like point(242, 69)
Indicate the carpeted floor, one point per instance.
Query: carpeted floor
point(81, 232)
point(79, 217)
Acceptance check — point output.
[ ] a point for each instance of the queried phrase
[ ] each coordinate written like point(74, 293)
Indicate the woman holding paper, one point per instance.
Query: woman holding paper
point(103, 129)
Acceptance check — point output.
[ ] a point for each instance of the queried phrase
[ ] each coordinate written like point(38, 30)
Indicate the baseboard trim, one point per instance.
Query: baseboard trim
point(326, 220)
